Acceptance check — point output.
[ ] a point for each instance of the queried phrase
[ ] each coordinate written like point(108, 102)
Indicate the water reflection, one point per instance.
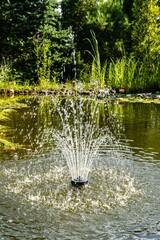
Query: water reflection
point(142, 126)
point(122, 198)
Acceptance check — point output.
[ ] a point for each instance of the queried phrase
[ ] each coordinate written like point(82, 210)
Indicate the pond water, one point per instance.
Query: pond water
point(121, 200)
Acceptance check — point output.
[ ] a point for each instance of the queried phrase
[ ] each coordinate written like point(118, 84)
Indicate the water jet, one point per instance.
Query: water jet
point(79, 138)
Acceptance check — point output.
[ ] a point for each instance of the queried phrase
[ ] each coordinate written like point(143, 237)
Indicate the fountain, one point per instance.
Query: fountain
point(79, 132)
point(78, 182)
point(79, 138)
point(38, 200)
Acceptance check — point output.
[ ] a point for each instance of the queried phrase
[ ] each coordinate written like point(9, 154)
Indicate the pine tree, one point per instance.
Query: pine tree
point(19, 24)
point(32, 39)
point(54, 46)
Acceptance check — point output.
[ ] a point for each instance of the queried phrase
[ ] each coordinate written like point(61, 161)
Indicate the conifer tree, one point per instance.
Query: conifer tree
point(25, 24)
point(19, 24)
point(54, 45)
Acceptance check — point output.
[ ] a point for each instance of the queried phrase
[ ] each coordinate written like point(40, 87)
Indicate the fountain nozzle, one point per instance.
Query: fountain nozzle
point(78, 182)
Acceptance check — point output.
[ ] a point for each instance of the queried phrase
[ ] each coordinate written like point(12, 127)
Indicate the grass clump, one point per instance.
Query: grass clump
point(133, 75)
point(98, 70)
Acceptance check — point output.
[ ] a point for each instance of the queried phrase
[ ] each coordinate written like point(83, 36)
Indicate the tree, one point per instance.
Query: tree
point(127, 8)
point(75, 15)
point(146, 39)
point(116, 29)
point(33, 40)
point(19, 24)
point(105, 18)
point(146, 33)
point(128, 11)
point(54, 46)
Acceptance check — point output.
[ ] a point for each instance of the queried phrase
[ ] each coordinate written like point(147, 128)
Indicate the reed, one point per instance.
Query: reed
point(147, 77)
point(42, 50)
point(134, 75)
point(98, 70)
point(116, 73)
point(5, 74)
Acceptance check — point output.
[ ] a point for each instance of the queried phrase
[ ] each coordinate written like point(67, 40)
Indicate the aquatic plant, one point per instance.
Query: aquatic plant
point(98, 70)
point(133, 75)
point(5, 74)
point(43, 61)
point(122, 73)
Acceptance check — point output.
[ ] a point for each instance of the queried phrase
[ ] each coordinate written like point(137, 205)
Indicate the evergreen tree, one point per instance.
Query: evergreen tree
point(19, 24)
point(33, 40)
point(54, 46)
point(105, 18)
point(116, 28)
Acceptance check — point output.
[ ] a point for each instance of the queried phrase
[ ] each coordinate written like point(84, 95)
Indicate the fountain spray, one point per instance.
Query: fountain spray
point(79, 139)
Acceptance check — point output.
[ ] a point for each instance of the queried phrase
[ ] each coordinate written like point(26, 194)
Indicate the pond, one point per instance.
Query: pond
point(121, 199)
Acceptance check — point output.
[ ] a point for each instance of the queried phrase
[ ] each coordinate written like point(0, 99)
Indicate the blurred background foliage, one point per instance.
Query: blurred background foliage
point(46, 41)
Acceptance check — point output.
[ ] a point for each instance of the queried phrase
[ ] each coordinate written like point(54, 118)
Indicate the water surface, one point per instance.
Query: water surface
point(121, 200)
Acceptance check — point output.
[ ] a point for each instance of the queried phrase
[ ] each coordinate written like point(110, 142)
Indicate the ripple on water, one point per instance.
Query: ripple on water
point(47, 184)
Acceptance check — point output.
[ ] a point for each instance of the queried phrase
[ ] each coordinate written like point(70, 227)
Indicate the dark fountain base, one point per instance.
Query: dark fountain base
point(78, 183)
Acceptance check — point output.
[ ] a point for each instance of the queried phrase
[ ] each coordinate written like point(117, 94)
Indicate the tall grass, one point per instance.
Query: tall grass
point(121, 73)
point(98, 71)
point(42, 50)
point(149, 74)
point(5, 74)
point(134, 75)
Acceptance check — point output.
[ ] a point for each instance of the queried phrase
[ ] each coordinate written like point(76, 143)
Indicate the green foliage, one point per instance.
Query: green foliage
point(133, 75)
point(98, 71)
point(38, 42)
point(74, 15)
point(53, 47)
point(146, 34)
point(19, 24)
point(117, 73)
point(111, 28)
point(43, 61)
point(122, 73)
point(127, 8)
point(24, 22)
point(128, 13)
point(145, 42)
point(5, 73)
point(105, 18)
point(148, 75)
